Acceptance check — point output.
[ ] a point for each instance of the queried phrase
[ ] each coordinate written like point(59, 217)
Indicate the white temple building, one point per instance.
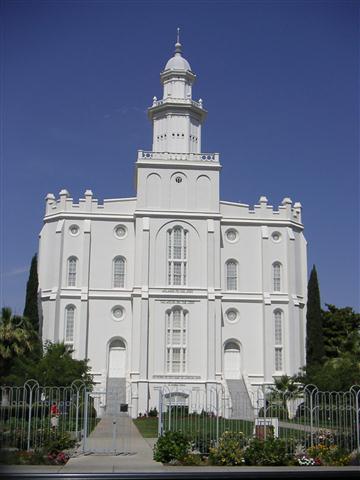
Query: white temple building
point(175, 286)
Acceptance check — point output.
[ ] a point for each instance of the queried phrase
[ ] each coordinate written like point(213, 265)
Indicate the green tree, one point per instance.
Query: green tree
point(55, 368)
point(341, 331)
point(16, 339)
point(31, 300)
point(314, 327)
point(58, 368)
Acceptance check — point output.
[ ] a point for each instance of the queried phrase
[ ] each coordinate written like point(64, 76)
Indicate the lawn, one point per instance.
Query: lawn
point(147, 426)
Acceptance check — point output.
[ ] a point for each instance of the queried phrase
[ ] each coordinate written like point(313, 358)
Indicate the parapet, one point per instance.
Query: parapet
point(285, 211)
point(88, 204)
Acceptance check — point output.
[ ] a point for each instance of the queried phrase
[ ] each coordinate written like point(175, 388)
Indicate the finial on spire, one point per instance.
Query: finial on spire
point(178, 44)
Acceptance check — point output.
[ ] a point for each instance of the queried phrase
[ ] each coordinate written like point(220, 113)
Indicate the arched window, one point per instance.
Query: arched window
point(71, 277)
point(69, 325)
point(231, 275)
point(278, 340)
point(276, 277)
point(176, 320)
point(119, 272)
point(177, 256)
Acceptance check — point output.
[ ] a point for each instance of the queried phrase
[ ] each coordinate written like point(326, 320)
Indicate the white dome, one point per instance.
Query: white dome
point(177, 62)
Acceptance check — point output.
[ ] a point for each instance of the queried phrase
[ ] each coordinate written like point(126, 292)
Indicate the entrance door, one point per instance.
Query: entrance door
point(232, 361)
point(117, 358)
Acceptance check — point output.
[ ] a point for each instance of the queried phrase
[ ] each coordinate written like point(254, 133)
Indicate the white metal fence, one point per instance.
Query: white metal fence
point(300, 418)
point(31, 416)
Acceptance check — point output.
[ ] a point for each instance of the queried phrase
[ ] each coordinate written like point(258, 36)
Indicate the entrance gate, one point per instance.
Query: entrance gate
point(104, 432)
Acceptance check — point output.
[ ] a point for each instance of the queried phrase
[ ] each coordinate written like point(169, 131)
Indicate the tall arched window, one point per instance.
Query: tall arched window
point(278, 340)
point(231, 275)
point(71, 277)
point(69, 325)
point(119, 272)
point(176, 320)
point(276, 277)
point(177, 256)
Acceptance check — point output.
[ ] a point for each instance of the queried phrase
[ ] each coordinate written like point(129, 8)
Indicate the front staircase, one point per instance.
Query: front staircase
point(115, 395)
point(240, 400)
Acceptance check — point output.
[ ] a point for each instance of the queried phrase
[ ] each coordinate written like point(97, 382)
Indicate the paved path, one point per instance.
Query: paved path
point(134, 452)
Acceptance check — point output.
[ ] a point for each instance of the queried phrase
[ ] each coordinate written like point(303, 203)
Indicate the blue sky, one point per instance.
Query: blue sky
point(280, 81)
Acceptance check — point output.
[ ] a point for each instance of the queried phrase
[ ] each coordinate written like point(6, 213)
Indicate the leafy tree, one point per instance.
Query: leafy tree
point(55, 368)
point(341, 331)
point(31, 300)
point(337, 374)
point(16, 339)
point(314, 327)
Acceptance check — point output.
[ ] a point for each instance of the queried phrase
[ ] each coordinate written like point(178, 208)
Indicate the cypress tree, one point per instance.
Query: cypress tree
point(314, 325)
point(31, 302)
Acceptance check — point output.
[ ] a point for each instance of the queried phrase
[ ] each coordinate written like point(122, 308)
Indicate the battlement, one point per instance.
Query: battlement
point(286, 211)
point(88, 204)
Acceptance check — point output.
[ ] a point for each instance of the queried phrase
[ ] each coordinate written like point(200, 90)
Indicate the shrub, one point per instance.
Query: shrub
point(230, 449)
point(58, 442)
point(329, 455)
point(272, 451)
point(171, 446)
point(153, 412)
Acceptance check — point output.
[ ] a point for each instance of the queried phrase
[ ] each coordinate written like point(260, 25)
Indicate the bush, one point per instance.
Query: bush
point(58, 442)
point(153, 412)
point(329, 455)
point(230, 449)
point(171, 446)
point(272, 451)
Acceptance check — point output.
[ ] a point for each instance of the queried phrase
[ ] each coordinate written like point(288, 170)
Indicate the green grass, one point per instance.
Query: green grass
point(148, 427)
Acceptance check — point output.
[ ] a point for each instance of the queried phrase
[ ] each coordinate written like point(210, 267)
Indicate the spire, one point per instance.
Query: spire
point(178, 44)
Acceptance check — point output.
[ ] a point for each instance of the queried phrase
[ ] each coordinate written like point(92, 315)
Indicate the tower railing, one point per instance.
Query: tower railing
point(194, 157)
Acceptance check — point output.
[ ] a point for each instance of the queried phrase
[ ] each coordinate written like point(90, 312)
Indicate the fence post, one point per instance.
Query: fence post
point(160, 422)
point(356, 390)
point(85, 419)
point(264, 400)
point(29, 421)
point(217, 417)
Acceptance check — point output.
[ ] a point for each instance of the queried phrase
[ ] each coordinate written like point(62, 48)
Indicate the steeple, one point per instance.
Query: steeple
point(177, 118)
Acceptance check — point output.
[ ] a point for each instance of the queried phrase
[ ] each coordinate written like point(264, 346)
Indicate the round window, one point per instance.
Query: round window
point(276, 236)
point(231, 235)
point(232, 315)
point(74, 230)
point(118, 313)
point(178, 179)
point(120, 231)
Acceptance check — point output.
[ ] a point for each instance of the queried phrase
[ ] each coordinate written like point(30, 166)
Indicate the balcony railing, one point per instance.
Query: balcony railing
point(192, 157)
point(184, 101)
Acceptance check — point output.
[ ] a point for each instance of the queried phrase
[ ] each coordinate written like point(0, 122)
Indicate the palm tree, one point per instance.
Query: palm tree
point(16, 338)
point(285, 389)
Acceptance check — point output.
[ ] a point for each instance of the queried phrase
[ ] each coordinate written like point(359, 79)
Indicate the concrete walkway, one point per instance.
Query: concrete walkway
point(136, 454)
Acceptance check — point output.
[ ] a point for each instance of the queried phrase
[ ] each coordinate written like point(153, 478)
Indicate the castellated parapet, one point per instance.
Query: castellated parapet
point(89, 205)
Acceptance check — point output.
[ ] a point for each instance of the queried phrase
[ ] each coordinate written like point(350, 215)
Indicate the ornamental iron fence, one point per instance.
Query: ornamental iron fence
point(31, 416)
point(302, 418)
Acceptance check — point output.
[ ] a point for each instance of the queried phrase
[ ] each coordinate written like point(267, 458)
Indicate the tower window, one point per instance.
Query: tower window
point(278, 340)
point(69, 325)
point(176, 321)
point(276, 277)
point(178, 179)
point(177, 256)
point(119, 272)
point(71, 276)
point(231, 275)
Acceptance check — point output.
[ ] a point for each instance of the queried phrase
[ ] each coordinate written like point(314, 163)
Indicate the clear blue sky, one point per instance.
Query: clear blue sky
point(280, 81)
